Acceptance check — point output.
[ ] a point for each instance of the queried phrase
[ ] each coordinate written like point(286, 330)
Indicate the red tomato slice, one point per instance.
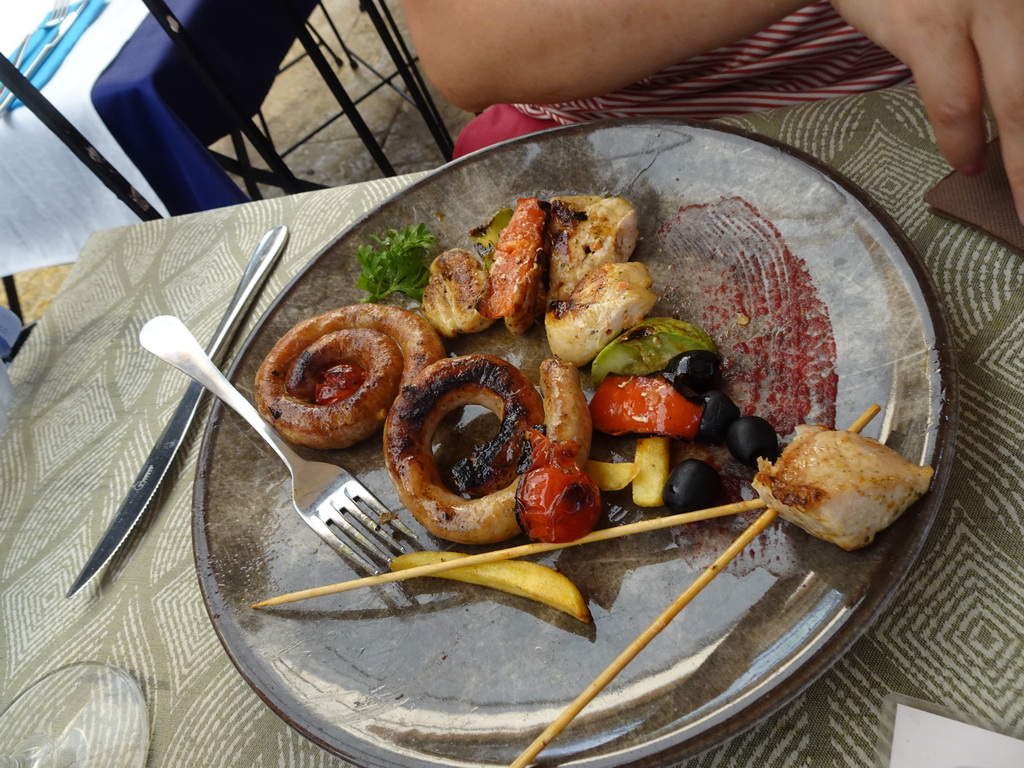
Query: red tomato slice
point(644, 405)
point(338, 383)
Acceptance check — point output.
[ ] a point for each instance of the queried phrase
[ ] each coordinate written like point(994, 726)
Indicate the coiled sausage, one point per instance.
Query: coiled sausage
point(392, 344)
point(492, 383)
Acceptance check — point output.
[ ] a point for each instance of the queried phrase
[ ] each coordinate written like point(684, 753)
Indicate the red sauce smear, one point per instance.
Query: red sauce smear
point(757, 300)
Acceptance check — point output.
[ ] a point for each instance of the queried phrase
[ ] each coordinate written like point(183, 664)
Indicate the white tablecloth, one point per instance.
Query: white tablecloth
point(49, 200)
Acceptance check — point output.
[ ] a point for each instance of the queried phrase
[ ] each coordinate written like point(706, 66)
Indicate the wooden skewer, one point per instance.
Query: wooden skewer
point(864, 419)
point(645, 637)
point(663, 620)
point(511, 552)
point(536, 547)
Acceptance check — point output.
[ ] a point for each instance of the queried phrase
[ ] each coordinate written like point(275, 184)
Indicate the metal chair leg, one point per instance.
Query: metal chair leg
point(12, 297)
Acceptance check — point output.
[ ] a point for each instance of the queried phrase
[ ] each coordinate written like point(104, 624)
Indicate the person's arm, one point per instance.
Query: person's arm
point(959, 51)
point(483, 52)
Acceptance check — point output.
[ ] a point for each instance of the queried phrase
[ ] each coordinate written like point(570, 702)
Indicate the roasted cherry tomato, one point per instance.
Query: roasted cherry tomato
point(556, 501)
point(750, 438)
point(645, 405)
point(692, 484)
point(339, 382)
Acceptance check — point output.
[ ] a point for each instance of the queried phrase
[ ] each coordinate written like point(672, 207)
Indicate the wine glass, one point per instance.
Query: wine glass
point(84, 715)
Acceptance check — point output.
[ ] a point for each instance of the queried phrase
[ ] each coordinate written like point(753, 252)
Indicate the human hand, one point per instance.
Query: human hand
point(960, 52)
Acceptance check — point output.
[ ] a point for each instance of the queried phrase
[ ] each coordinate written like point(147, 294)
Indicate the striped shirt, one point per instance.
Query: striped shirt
point(810, 55)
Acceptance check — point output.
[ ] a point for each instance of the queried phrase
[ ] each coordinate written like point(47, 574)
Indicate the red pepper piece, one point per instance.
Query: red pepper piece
point(339, 382)
point(643, 405)
point(515, 262)
point(556, 501)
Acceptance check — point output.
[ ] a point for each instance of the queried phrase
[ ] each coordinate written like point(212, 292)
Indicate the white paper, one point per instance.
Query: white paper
point(926, 740)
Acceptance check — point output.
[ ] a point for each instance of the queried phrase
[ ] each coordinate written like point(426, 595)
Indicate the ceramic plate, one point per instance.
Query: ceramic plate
point(820, 307)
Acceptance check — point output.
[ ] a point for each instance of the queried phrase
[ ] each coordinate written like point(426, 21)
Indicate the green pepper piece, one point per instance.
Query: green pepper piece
point(486, 235)
point(647, 347)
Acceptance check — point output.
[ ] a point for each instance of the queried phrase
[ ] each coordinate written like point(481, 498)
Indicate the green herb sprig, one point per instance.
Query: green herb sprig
point(396, 264)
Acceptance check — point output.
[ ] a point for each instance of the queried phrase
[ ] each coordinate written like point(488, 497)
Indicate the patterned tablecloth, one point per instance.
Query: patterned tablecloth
point(90, 403)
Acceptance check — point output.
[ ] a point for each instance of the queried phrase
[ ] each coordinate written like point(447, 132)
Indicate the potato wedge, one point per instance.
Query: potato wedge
point(611, 476)
point(516, 577)
point(652, 463)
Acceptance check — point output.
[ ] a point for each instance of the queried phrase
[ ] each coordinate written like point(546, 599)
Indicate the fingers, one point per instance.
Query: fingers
point(954, 103)
point(957, 66)
point(948, 75)
point(1012, 141)
point(998, 38)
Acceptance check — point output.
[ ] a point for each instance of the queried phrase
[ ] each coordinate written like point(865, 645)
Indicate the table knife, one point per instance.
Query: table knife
point(141, 492)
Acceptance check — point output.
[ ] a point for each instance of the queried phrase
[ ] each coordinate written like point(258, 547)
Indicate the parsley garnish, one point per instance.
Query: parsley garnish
point(396, 264)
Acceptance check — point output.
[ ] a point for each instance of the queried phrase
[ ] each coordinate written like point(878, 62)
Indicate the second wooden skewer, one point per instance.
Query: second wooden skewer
point(663, 620)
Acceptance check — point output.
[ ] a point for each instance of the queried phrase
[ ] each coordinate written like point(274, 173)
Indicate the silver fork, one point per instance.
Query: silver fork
point(61, 8)
point(336, 505)
point(55, 17)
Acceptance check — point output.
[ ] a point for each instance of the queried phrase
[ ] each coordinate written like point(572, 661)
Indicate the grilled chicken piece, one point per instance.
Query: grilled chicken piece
point(840, 486)
point(606, 301)
point(586, 232)
point(515, 283)
point(457, 281)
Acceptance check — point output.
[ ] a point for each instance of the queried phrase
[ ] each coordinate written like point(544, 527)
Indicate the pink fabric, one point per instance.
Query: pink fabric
point(495, 124)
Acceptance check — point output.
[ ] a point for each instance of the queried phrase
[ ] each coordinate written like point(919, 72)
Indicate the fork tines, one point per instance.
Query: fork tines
point(357, 533)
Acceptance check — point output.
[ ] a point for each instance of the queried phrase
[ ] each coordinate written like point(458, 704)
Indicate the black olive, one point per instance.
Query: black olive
point(751, 437)
point(696, 369)
point(693, 484)
point(719, 412)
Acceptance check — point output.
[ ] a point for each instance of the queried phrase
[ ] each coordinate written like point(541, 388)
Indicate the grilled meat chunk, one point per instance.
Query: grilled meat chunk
point(457, 281)
point(587, 231)
point(515, 284)
point(606, 301)
point(840, 486)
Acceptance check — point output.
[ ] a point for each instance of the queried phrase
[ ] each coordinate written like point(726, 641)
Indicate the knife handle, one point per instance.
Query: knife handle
point(262, 259)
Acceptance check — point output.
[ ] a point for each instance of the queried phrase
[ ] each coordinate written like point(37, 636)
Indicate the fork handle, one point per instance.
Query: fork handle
point(168, 338)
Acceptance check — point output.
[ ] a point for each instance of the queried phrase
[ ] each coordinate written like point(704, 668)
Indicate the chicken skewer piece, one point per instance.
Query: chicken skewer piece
point(662, 621)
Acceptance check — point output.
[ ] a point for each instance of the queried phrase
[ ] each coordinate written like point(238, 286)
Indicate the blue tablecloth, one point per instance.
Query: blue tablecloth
point(159, 110)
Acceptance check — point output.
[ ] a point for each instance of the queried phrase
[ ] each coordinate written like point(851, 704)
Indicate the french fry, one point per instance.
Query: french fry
point(611, 476)
point(516, 577)
point(652, 464)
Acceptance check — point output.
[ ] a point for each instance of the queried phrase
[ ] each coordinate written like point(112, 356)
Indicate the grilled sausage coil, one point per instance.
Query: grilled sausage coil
point(494, 384)
point(392, 344)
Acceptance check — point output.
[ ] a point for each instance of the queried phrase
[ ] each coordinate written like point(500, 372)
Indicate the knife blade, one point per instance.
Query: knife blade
point(266, 254)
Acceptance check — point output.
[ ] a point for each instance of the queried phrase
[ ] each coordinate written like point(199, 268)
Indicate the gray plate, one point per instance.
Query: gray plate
point(821, 307)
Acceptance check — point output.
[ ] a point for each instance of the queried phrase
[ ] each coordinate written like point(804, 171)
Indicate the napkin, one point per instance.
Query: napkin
point(90, 9)
point(983, 201)
point(10, 329)
point(6, 396)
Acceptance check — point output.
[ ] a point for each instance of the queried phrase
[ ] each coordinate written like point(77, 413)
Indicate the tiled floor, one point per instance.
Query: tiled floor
point(300, 102)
